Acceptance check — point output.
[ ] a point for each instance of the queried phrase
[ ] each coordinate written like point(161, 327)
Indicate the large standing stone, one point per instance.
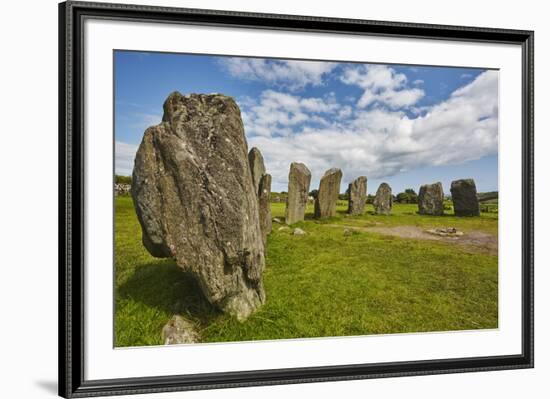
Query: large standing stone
point(257, 167)
point(464, 195)
point(299, 179)
point(383, 200)
point(195, 199)
point(430, 199)
point(264, 202)
point(329, 188)
point(357, 192)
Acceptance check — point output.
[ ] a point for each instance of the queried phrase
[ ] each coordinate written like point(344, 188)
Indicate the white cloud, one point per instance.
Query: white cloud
point(418, 82)
point(381, 84)
point(380, 142)
point(278, 113)
point(124, 158)
point(345, 112)
point(289, 74)
point(376, 142)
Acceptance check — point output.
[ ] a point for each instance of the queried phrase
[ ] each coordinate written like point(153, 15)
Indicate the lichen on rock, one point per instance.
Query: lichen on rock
point(195, 199)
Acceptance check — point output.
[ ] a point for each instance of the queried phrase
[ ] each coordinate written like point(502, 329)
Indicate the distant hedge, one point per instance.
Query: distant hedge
point(492, 195)
point(123, 179)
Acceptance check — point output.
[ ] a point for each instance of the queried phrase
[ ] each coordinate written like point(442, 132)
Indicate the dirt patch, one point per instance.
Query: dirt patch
point(476, 241)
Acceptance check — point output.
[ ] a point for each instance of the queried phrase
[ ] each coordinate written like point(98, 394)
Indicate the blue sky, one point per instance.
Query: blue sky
point(405, 125)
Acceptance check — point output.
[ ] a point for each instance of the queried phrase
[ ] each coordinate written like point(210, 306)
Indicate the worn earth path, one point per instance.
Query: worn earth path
point(476, 241)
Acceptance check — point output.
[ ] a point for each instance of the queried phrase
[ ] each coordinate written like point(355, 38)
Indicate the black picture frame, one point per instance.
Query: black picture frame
point(71, 199)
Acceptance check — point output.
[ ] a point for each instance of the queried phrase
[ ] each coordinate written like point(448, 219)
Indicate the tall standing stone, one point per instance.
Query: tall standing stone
point(383, 200)
point(262, 185)
point(264, 202)
point(329, 188)
point(257, 167)
point(195, 199)
point(299, 179)
point(430, 199)
point(464, 195)
point(357, 191)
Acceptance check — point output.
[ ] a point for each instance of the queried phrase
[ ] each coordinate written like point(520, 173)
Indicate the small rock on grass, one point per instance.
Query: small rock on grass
point(179, 331)
point(298, 232)
point(347, 232)
point(446, 232)
point(283, 228)
point(276, 220)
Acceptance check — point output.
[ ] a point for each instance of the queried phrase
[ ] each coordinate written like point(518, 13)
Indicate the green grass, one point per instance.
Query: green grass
point(320, 284)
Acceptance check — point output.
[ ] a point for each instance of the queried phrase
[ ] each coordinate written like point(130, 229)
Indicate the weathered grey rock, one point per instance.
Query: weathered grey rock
point(264, 204)
point(276, 220)
point(262, 186)
point(195, 199)
point(179, 331)
point(298, 232)
point(383, 200)
point(464, 195)
point(357, 191)
point(430, 199)
point(257, 167)
point(283, 228)
point(329, 188)
point(299, 179)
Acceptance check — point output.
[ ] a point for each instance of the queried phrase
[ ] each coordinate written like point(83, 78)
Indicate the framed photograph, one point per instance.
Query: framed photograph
point(252, 199)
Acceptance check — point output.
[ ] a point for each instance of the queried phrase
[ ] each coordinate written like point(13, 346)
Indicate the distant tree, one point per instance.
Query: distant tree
point(409, 196)
point(413, 197)
point(344, 196)
point(314, 193)
point(370, 198)
point(401, 198)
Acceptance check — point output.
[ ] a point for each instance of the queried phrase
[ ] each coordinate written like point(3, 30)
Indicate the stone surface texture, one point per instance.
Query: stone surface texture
point(329, 188)
point(357, 191)
point(464, 195)
point(299, 179)
point(383, 200)
point(430, 199)
point(257, 167)
point(195, 199)
point(264, 205)
point(179, 331)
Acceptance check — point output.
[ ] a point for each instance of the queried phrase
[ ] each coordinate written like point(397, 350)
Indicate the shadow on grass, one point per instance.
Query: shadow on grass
point(164, 286)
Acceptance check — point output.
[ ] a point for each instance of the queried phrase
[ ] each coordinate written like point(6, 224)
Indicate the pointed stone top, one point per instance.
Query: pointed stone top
point(360, 178)
point(431, 185)
point(257, 167)
point(332, 171)
point(300, 167)
point(256, 155)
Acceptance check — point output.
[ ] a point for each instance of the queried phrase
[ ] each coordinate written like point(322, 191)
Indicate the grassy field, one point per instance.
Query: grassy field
point(321, 284)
